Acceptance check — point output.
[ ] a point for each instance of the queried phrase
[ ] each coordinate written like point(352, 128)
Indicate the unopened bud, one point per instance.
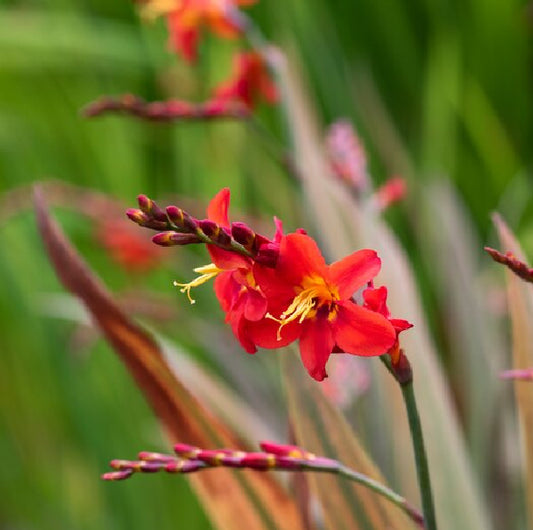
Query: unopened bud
point(181, 219)
point(209, 228)
point(243, 234)
point(186, 450)
point(145, 203)
point(137, 216)
point(260, 461)
point(268, 255)
point(170, 239)
point(184, 466)
point(402, 369)
point(149, 207)
point(117, 475)
point(285, 450)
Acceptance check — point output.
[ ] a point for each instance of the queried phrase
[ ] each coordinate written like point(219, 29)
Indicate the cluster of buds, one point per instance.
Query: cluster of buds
point(170, 110)
point(177, 227)
point(189, 459)
point(520, 268)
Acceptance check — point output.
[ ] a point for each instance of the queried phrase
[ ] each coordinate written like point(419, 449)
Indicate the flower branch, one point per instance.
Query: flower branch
point(520, 268)
point(190, 459)
point(177, 227)
point(166, 111)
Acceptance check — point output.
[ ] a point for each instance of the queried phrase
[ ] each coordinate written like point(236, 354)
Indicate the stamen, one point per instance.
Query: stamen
point(315, 293)
point(300, 308)
point(206, 273)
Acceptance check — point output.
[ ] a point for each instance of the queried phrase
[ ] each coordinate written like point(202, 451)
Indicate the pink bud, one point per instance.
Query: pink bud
point(137, 216)
point(259, 461)
point(185, 450)
point(117, 475)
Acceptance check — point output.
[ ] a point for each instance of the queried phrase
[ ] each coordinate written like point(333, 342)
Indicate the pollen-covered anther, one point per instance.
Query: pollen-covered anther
point(207, 272)
point(304, 305)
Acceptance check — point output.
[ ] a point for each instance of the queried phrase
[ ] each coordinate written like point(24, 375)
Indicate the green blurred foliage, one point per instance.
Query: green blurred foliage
point(436, 88)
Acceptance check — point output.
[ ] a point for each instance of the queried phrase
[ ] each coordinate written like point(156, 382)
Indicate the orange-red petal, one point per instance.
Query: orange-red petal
point(226, 260)
point(217, 210)
point(316, 344)
point(360, 331)
point(264, 333)
point(299, 257)
point(255, 305)
point(354, 271)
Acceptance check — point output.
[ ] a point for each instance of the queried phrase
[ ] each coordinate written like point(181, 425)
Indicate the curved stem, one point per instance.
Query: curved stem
point(422, 468)
point(384, 491)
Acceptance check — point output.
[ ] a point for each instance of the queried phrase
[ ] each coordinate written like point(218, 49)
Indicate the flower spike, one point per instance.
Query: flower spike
point(168, 111)
point(274, 456)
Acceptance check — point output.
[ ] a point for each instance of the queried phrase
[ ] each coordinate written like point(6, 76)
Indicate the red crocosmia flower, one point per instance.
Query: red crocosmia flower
point(312, 301)
point(185, 19)
point(376, 300)
point(235, 287)
point(127, 246)
point(251, 81)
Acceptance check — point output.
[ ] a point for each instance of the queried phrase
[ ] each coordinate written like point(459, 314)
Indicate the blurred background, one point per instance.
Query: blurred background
point(439, 92)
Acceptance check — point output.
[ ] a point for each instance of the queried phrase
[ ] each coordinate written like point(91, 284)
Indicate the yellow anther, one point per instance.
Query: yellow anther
point(206, 273)
point(315, 293)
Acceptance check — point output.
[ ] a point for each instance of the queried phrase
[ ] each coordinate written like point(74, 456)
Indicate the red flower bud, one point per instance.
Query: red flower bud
point(137, 216)
point(170, 239)
point(181, 219)
point(260, 461)
point(267, 255)
point(243, 234)
point(209, 228)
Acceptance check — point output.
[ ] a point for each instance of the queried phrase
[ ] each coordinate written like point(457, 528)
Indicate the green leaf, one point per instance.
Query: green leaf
point(520, 298)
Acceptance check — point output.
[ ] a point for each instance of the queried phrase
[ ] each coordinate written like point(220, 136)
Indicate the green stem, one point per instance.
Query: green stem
point(422, 468)
point(384, 491)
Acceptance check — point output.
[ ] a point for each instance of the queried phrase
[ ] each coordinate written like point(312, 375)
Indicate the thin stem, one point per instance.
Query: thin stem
point(384, 491)
point(422, 468)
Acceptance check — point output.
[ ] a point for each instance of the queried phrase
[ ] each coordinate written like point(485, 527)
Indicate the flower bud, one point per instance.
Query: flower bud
point(186, 450)
point(260, 461)
point(181, 219)
point(137, 216)
point(117, 475)
point(243, 234)
point(285, 450)
point(209, 228)
point(170, 239)
point(268, 255)
point(184, 466)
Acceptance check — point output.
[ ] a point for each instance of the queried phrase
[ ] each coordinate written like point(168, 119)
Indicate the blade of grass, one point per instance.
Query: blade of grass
point(520, 299)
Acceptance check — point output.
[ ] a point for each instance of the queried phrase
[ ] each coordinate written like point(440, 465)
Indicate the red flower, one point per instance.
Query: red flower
point(127, 246)
point(235, 287)
point(376, 300)
point(310, 300)
point(250, 82)
point(185, 18)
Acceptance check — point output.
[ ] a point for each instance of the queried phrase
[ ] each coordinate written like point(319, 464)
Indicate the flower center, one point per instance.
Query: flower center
point(206, 273)
point(313, 294)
